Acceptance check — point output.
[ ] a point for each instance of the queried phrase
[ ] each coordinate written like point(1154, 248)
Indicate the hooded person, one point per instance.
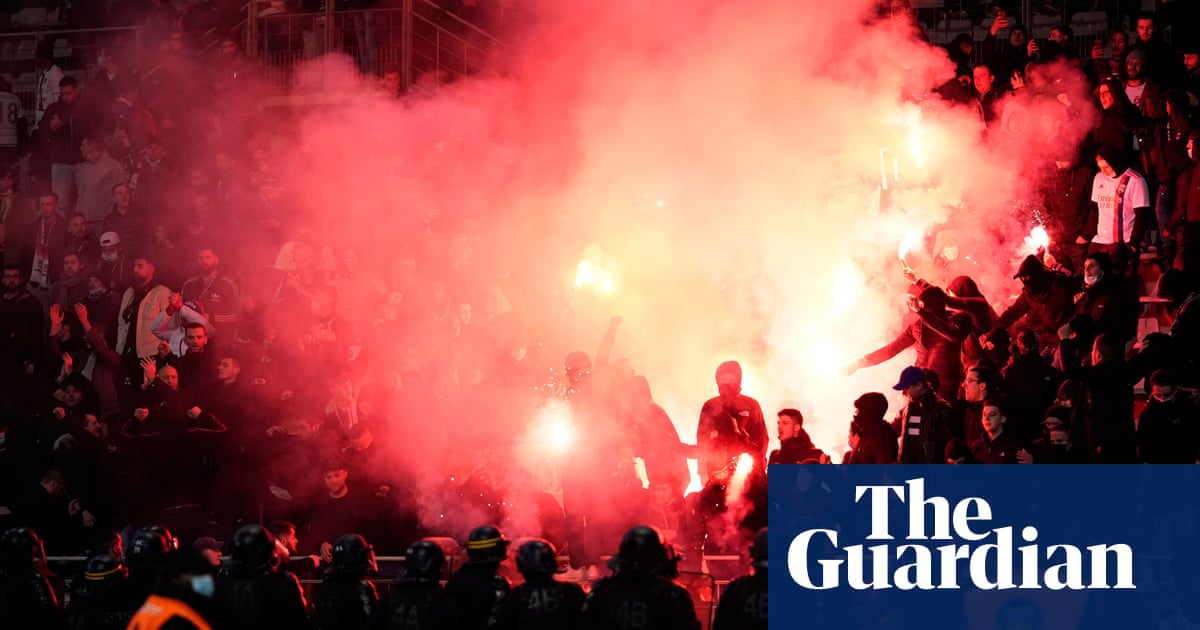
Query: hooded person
point(872, 440)
point(730, 424)
point(937, 335)
point(1046, 303)
point(963, 295)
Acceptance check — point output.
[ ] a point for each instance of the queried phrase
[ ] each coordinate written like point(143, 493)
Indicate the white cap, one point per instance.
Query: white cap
point(110, 239)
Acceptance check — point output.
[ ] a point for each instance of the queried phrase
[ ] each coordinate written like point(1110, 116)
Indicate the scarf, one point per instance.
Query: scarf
point(40, 276)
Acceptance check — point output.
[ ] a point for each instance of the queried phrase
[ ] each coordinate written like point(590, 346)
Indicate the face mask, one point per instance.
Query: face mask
point(109, 257)
point(97, 293)
point(1091, 280)
point(950, 253)
point(203, 585)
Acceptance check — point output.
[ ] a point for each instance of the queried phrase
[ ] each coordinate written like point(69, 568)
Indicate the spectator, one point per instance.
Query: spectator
point(124, 219)
point(95, 179)
point(872, 440)
point(795, 446)
point(925, 424)
point(1168, 429)
point(16, 213)
point(44, 243)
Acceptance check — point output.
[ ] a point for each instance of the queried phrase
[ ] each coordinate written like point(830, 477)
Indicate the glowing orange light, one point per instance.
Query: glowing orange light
point(1038, 240)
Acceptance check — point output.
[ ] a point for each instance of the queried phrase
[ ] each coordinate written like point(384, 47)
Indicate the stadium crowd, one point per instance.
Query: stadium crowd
point(178, 346)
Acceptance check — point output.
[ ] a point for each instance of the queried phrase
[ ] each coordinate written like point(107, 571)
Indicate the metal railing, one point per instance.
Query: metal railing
point(417, 40)
point(74, 51)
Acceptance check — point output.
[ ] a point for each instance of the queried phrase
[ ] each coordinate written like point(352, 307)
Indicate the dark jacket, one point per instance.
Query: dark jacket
point(938, 338)
point(1002, 450)
point(1112, 304)
point(56, 241)
point(877, 443)
point(744, 604)
point(667, 605)
point(797, 450)
point(725, 431)
point(925, 426)
point(1169, 433)
point(541, 604)
point(261, 600)
point(416, 606)
point(478, 591)
point(345, 602)
point(1066, 193)
point(1044, 311)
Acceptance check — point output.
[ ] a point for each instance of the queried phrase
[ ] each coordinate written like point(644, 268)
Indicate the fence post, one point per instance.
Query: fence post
point(252, 28)
point(329, 26)
point(406, 24)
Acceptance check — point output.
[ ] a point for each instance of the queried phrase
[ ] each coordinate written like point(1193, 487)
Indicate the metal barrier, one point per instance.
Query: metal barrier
point(74, 51)
point(419, 39)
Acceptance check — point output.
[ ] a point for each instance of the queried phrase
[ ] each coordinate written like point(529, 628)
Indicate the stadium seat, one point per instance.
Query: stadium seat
point(1089, 23)
point(62, 48)
point(25, 50)
point(1041, 24)
point(947, 29)
point(30, 17)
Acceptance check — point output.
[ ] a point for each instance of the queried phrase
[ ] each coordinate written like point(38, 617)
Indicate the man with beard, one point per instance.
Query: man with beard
point(730, 424)
point(71, 288)
point(140, 305)
point(217, 293)
point(80, 240)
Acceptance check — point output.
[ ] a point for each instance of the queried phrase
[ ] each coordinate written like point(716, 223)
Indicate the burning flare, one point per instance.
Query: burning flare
point(1037, 242)
point(594, 272)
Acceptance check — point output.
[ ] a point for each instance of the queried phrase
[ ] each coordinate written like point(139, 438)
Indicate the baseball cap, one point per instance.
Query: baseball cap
point(110, 239)
point(909, 377)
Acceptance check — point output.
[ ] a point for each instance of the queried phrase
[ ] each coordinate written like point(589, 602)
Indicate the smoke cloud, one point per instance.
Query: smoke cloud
point(721, 168)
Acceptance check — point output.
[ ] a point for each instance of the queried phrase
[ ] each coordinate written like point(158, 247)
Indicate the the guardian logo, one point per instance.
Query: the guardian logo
point(974, 556)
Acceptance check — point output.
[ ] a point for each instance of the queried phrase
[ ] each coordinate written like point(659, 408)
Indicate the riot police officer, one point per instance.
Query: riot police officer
point(347, 597)
point(418, 601)
point(148, 554)
point(639, 596)
point(541, 603)
point(94, 605)
point(744, 604)
point(478, 587)
point(26, 594)
point(253, 592)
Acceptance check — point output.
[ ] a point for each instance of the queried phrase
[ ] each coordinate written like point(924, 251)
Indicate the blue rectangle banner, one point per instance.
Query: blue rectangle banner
point(984, 547)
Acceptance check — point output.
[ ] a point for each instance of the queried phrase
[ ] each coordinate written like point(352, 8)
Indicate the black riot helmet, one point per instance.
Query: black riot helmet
point(172, 541)
point(149, 547)
point(487, 544)
point(537, 557)
point(254, 549)
point(103, 567)
point(758, 550)
point(423, 561)
point(20, 550)
point(642, 552)
point(352, 554)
